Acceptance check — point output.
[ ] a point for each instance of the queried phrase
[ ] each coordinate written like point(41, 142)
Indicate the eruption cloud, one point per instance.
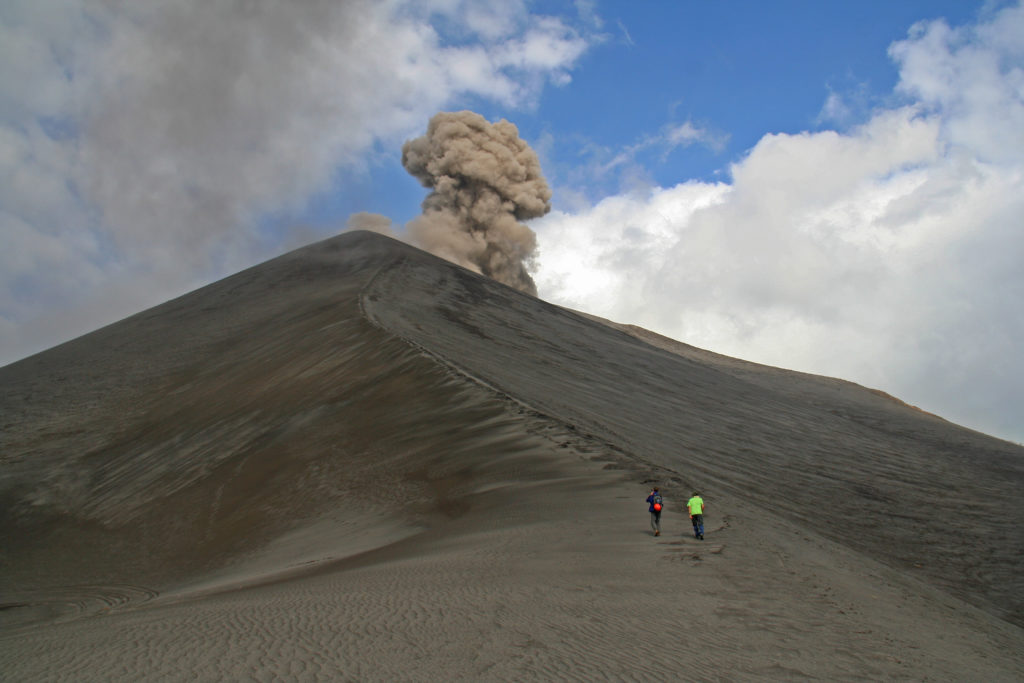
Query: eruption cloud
point(485, 180)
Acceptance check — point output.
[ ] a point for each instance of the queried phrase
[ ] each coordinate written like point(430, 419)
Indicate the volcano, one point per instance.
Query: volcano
point(358, 461)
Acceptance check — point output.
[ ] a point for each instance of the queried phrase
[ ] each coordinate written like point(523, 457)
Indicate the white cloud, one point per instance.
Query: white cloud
point(142, 143)
point(626, 37)
point(835, 109)
point(684, 134)
point(975, 76)
point(889, 254)
point(667, 140)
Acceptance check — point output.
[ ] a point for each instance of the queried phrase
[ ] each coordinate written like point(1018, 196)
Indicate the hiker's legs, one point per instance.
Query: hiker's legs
point(656, 522)
point(698, 525)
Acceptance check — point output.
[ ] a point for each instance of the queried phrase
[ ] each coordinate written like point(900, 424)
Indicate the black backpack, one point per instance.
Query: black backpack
point(656, 502)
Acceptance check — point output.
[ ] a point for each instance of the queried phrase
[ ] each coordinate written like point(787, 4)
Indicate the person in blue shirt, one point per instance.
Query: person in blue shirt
point(656, 503)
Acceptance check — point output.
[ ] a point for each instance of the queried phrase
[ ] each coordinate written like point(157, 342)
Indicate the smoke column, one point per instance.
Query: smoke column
point(484, 181)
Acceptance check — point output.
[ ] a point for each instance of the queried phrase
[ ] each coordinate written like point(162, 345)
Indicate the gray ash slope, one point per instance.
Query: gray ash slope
point(218, 397)
point(905, 487)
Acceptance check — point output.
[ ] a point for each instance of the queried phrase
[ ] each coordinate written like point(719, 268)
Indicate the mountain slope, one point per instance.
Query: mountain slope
point(359, 461)
point(906, 487)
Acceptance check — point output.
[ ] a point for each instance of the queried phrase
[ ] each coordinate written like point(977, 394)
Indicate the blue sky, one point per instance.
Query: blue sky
point(738, 69)
point(832, 187)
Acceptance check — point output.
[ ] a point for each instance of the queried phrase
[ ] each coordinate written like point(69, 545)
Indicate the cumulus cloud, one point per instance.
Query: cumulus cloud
point(888, 254)
point(153, 142)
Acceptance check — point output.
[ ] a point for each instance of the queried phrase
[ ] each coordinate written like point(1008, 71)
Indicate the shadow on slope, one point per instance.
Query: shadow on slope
point(257, 426)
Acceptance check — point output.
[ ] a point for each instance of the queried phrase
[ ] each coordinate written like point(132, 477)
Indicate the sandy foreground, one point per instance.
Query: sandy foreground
point(359, 463)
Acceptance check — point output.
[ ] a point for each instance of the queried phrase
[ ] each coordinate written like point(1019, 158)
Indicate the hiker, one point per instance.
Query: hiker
point(655, 509)
point(696, 507)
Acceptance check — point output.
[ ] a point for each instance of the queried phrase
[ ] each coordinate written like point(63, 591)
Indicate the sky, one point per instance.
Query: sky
point(836, 188)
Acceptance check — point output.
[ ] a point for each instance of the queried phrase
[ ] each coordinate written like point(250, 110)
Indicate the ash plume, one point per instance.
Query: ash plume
point(485, 180)
point(374, 222)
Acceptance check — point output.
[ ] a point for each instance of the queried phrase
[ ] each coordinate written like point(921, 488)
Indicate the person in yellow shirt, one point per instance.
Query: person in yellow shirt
point(696, 507)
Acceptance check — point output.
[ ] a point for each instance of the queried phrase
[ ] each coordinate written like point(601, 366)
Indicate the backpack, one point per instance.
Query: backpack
point(657, 502)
